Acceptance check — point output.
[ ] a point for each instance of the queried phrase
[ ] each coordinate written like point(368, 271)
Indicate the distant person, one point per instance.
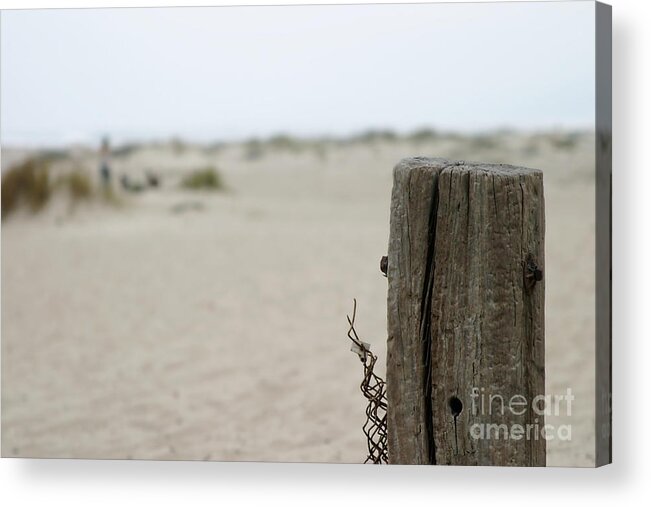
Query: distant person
point(105, 163)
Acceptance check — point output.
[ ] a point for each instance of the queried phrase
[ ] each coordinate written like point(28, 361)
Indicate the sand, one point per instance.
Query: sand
point(195, 325)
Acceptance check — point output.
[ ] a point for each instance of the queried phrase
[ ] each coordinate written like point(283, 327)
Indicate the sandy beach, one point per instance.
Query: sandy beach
point(197, 325)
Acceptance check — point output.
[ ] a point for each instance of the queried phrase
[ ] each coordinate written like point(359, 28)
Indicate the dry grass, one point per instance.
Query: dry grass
point(203, 179)
point(32, 185)
point(27, 183)
point(78, 185)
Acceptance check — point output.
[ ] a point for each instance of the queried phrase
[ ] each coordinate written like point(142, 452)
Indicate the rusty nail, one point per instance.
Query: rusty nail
point(532, 273)
point(384, 264)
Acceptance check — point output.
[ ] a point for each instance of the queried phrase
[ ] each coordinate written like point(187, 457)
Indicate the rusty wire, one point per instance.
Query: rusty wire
point(374, 390)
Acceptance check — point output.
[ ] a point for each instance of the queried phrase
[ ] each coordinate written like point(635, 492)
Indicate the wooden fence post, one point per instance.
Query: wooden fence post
point(466, 351)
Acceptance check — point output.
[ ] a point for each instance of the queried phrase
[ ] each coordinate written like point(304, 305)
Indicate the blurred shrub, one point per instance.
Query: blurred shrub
point(32, 184)
point(178, 145)
point(78, 184)
point(373, 136)
point(214, 147)
point(125, 150)
point(203, 179)
point(253, 149)
point(26, 183)
point(565, 142)
point(53, 155)
point(285, 142)
point(484, 142)
point(421, 136)
point(531, 148)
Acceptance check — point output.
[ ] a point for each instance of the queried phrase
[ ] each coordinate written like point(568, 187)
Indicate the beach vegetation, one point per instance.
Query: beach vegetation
point(284, 142)
point(78, 184)
point(484, 142)
point(27, 183)
point(422, 136)
point(375, 136)
point(207, 178)
point(565, 142)
point(253, 149)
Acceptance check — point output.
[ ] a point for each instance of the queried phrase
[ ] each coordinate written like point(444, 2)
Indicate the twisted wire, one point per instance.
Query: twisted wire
point(374, 390)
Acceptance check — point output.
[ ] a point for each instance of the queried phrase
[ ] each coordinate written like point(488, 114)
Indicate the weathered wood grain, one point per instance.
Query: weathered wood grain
point(462, 314)
point(413, 204)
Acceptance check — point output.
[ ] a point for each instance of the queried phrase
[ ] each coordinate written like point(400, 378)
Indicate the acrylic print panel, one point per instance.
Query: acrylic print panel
point(192, 199)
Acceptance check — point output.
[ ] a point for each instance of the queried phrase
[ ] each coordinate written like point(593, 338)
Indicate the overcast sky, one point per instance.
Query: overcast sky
point(229, 73)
